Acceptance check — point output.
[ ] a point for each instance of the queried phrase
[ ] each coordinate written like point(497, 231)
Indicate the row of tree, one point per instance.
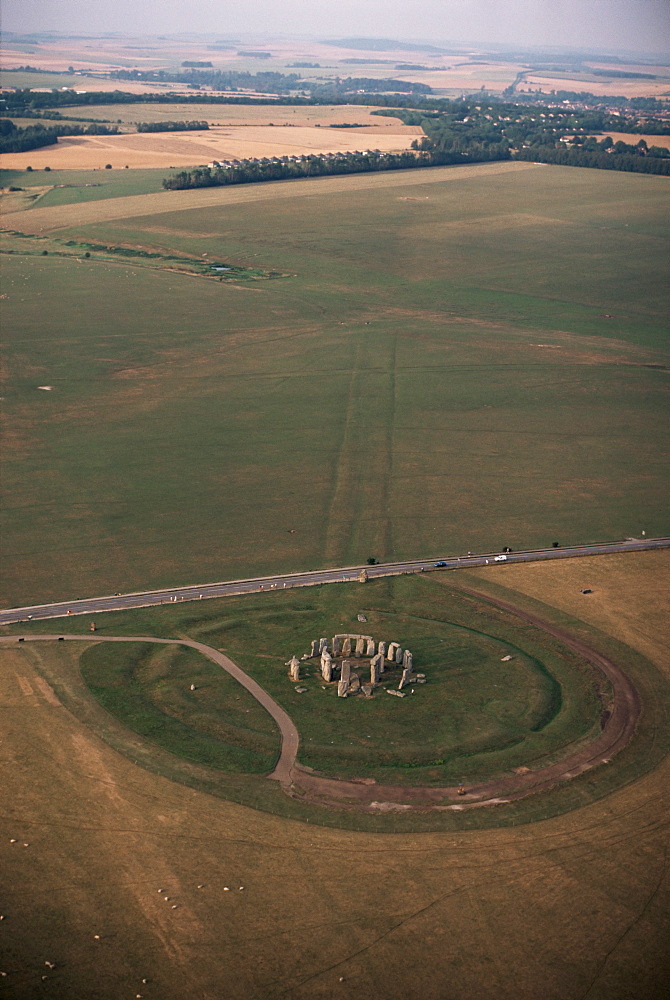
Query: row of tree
point(287, 168)
point(20, 140)
point(574, 157)
point(192, 126)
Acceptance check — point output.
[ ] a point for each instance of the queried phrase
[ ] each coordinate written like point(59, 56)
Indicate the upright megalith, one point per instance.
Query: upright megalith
point(370, 647)
point(374, 670)
point(381, 647)
point(345, 671)
point(405, 679)
point(398, 656)
point(346, 646)
point(323, 644)
point(326, 665)
point(342, 688)
point(391, 652)
point(315, 648)
point(407, 659)
point(337, 644)
point(294, 668)
point(360, 646)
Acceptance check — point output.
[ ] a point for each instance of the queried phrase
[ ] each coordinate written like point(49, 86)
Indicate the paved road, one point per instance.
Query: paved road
point(345, 574)
point(289, 734)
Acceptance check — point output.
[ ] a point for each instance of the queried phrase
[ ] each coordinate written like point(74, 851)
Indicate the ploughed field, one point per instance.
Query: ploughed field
point(399, 365)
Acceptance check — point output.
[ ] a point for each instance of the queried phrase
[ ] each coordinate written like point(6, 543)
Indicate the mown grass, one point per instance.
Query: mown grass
point(477, 716)
point(148, 688)
point(439, 375)
point(69, 187)
point(260, 632)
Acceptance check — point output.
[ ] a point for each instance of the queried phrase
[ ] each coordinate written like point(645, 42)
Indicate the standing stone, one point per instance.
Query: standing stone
point(360, 647)
point(315, 648)
point(381, 648)
point(391, 652)
point(327, 670)
point(370, 651)
point(294, 668)
point(407, 659)
point(345, 671)
point(346, 647)
point(336, 645)
point(323, 644)
point(398, 655)
point(374, 671)
point(405, 679)
point(342, 688)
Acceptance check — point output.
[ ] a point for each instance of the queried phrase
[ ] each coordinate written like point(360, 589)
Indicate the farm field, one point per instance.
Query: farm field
point(450, 359)
point(236, 114)
point(184, 149)
point(569, 906)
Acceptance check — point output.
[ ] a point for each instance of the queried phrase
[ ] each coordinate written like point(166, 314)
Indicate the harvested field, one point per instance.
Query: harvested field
point(631, 138)
point(184, 149)
point(600, 86)
point(568, 907)
point(237, 114)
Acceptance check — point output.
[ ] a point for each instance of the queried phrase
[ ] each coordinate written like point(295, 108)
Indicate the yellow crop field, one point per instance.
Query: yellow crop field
point(185, 149)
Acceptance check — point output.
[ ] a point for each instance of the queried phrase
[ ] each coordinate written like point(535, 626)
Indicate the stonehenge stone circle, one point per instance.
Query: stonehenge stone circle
point(336, 667)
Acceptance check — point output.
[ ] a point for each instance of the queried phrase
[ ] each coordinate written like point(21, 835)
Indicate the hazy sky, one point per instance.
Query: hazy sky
point(622, 24)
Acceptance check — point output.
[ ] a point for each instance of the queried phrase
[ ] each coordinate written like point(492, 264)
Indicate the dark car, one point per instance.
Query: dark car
point(439, 565)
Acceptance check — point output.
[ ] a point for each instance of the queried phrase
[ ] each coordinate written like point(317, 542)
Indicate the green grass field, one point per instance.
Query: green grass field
point(456, 360)
point(68, 187)
point(477, 717)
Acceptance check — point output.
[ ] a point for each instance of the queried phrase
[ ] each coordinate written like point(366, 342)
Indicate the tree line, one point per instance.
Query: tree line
point(169, 126)
point(20, 140)
point(287, 168)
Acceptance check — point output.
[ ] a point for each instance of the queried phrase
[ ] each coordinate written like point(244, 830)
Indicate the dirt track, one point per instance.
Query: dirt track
point(366, 795)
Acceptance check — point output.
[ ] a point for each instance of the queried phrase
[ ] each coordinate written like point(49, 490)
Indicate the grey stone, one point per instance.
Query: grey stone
point(354, 683)
point(370, 650)
point(405, 679)
point(342, 688)
point(294, 668)
point(398, 694)
point(315, 648)
point(345, 670)
point(374, 671)
point(367, 690)
point(323, 644)
point(391, 652)
point(336, 644)
point(346, 646)
point(381, 648)
point(398, 655)
point(360, 647)
point(407, 659)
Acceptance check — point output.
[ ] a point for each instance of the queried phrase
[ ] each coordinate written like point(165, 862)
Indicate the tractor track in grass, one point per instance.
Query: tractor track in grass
point(366, 795)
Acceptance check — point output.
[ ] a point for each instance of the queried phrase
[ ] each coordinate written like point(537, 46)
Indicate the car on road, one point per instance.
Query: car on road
point(500, 558)
point(439, 565)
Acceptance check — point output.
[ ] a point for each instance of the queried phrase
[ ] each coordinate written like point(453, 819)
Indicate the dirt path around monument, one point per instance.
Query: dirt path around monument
point(365, 794)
